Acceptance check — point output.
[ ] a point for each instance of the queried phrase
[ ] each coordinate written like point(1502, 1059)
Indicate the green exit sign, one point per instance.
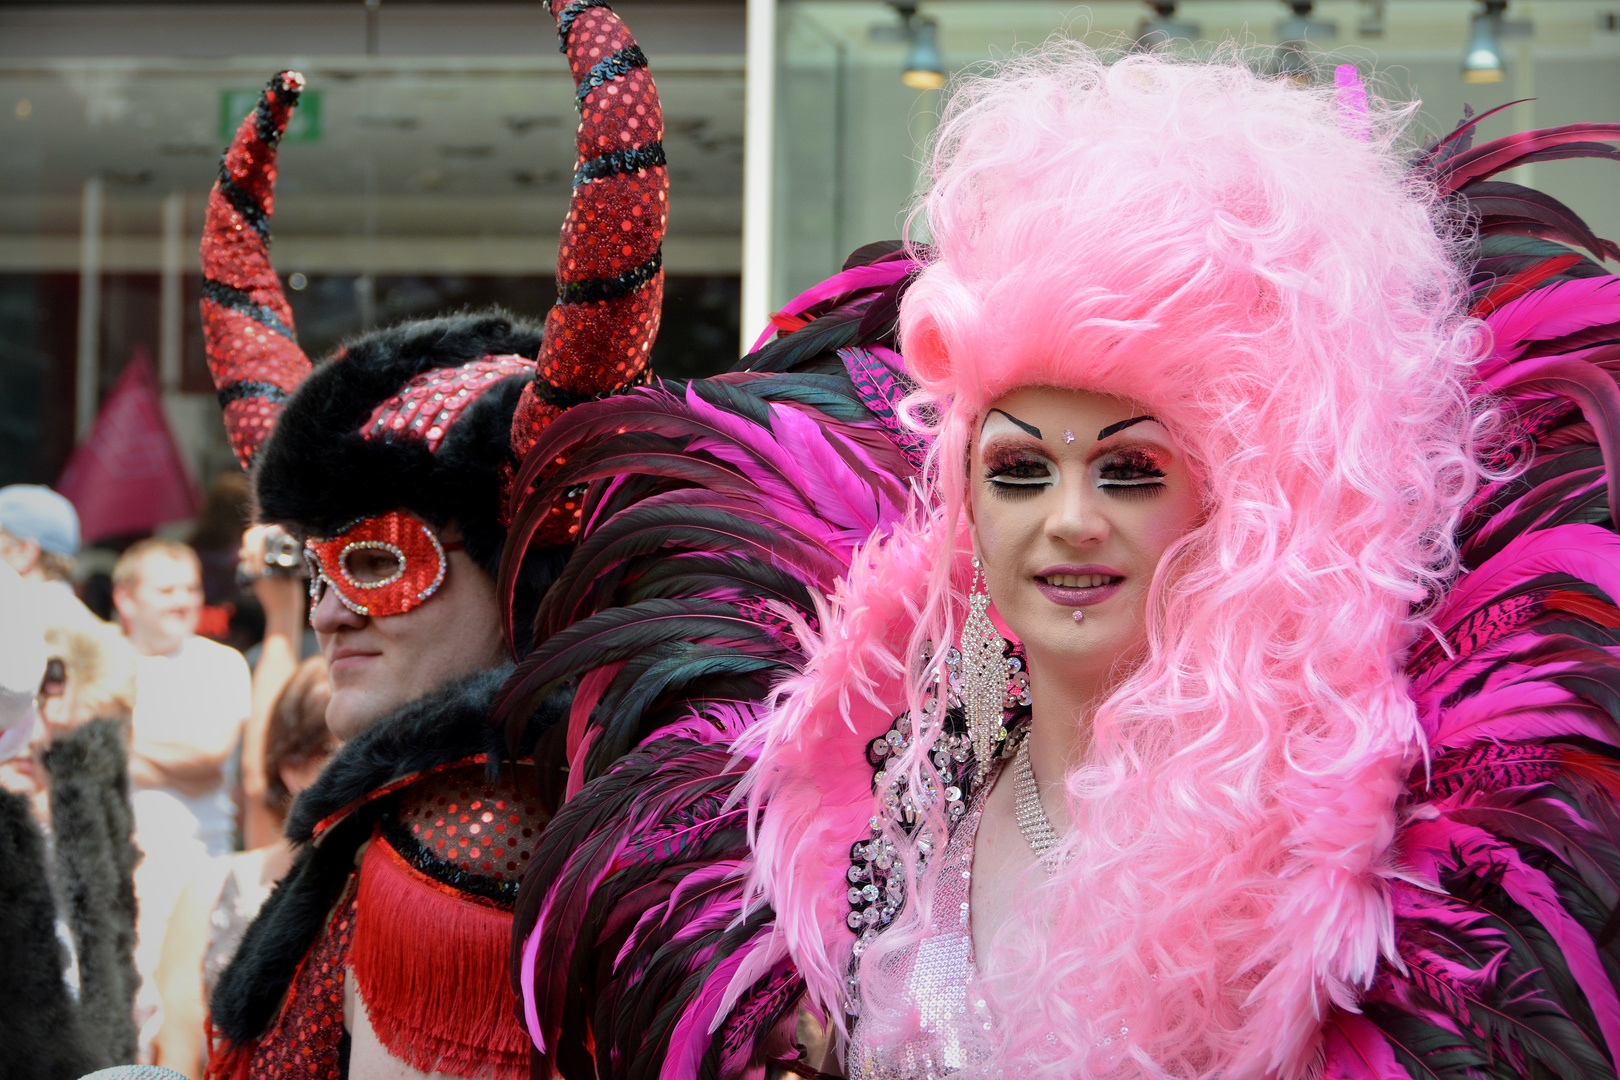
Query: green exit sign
point(305, 125)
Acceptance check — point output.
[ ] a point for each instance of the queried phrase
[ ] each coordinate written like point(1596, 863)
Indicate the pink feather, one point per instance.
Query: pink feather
point(873, 276)
point(690, 1037)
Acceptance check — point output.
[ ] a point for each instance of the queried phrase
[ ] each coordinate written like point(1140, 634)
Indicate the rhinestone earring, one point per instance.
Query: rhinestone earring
point(984, 675)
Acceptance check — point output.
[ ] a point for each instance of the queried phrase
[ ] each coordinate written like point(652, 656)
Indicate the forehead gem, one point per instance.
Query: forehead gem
point(1068, 436)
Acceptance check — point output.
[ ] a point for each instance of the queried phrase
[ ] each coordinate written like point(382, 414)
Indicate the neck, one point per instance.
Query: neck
point(147, 644)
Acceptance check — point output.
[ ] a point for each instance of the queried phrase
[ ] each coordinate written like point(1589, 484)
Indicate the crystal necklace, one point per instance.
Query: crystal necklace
point(1027, 809)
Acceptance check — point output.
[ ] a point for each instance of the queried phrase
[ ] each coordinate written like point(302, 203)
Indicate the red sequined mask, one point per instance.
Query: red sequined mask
point(383, 565)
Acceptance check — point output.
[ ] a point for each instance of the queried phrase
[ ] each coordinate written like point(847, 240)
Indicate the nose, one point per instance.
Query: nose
point(329, 615)
point(1077, 517)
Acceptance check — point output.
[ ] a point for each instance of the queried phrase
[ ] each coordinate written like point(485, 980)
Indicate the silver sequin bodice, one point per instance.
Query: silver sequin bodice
point(952, 1023)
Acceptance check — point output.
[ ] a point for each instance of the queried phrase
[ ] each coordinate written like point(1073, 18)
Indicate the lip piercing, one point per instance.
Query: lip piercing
point(1068, 436)
point(1079, 616)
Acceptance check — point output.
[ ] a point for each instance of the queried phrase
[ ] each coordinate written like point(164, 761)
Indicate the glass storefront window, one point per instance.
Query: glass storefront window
point(850, 134)
point(428, 170)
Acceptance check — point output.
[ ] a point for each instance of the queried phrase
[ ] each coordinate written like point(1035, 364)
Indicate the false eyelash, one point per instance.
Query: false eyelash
point(999, 464)
point(1132, 460)
point(1002, 457)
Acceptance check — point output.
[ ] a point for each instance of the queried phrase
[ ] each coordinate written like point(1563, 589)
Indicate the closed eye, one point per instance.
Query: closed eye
point(1131, 472)
point(1017, 471)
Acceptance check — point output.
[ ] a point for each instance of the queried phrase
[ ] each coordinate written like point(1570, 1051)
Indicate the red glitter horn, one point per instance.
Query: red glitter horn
point(253, 354)
point(610, 275)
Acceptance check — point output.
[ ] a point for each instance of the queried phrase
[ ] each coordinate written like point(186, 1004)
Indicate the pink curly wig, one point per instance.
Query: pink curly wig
point(1269, 281)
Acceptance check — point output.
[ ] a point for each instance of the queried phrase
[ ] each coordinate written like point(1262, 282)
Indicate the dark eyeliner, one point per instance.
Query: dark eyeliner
point(1138, 474)
point(1005, 461)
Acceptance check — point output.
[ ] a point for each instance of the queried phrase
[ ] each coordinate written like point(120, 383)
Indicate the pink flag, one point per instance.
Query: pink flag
point(127, 476)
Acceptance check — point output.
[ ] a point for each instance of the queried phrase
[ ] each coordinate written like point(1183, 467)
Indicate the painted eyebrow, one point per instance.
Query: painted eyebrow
point(1111, 429)
point(1028, 429)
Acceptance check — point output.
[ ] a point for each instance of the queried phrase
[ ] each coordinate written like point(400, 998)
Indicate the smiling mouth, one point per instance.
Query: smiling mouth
point(1079, 581)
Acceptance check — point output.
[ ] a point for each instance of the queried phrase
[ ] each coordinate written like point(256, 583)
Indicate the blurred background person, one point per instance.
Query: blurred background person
point(194, 693)
point(226, 510)
point(39, 537)
point(192, 699)
point(214, 910)
point(274, 572)
point(67, 905)
point(39, 533)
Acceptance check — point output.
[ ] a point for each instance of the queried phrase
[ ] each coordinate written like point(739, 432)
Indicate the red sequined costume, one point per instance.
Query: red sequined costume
point(414, 839)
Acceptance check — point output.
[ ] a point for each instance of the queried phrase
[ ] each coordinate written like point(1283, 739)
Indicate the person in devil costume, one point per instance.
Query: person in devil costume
point(393, 460)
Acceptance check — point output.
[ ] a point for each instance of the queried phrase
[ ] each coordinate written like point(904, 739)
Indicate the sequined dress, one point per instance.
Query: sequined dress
point(940, 979)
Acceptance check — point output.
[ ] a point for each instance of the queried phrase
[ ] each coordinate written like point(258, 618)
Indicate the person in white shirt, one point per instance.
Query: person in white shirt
point(192, 697)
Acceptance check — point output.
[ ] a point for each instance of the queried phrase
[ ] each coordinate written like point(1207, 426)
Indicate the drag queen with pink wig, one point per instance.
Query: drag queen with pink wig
point(1252, 637)
point(1199, 364)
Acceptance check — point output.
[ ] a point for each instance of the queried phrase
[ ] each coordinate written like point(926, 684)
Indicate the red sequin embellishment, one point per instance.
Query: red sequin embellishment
point(458, 819)
point(421, 561)
point(305, 1040)
point(247, 325)
point(615, 225)
point(426, 407)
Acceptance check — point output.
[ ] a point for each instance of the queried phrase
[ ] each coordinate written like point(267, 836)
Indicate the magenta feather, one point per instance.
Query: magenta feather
point(1493, 157)
point(807, 477)
point(1553, 311)
point(1354, 1049)
point(1584, 552)
point(1588, 386)
point(1428, 843)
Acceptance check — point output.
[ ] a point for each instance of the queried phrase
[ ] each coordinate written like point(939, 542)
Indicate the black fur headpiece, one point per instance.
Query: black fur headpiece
point(318, 473)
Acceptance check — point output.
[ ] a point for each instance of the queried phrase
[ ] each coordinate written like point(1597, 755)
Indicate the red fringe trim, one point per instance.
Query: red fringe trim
point(225, 1061)
point(431, 964)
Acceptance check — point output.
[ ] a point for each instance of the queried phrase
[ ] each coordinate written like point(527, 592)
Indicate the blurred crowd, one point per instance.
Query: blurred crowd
point(156, 721)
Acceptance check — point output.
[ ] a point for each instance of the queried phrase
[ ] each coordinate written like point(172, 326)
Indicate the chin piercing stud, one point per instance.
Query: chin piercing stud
point(1068, 436)
point(1079, 616)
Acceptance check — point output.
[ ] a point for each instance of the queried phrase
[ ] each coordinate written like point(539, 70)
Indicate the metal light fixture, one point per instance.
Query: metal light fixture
point(1296, 35)
point(1371, 24)
point(925, 67)
point(1482, 60)
point(1162, 27)
point(1302, 25)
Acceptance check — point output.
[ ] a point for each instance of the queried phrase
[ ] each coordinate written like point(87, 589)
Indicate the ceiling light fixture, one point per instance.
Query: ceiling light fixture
point(1482, 60)
point(1296, 35)
point(925, 67)
point(1372, 19)
point(1162, 27)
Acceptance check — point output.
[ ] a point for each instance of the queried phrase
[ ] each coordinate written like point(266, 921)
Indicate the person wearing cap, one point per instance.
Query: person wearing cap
point(393, 461)
point(39, 538)
point(39, 532)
